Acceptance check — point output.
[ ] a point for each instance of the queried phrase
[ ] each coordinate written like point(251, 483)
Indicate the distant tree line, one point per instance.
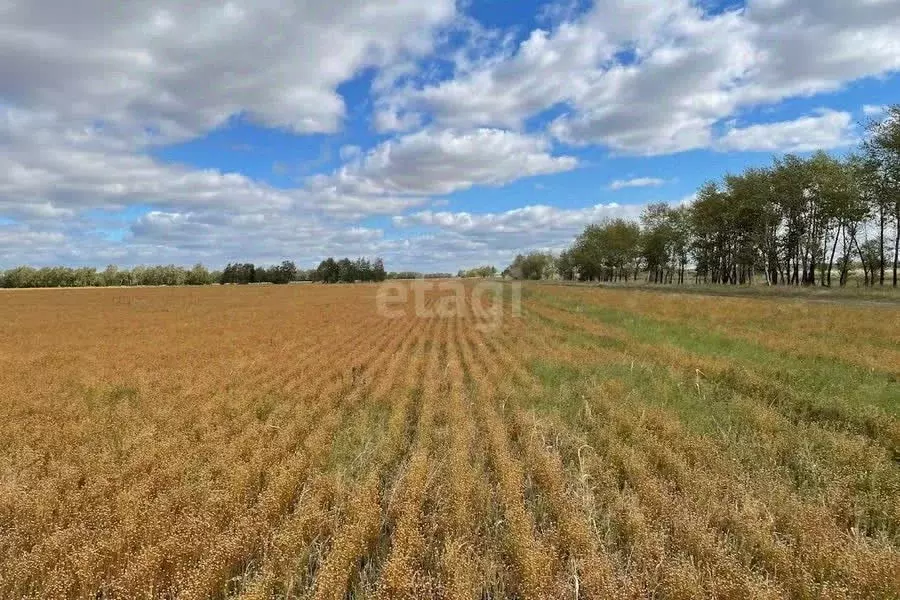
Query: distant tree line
point(482, 271)
point(800, 221)
point(405, 275)
point(536, 265)
point(329, 271)
point(30, 277)
point(349, 271)
point(286, 272)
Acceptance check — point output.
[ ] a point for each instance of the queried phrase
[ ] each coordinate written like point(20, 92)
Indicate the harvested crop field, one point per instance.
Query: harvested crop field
point(296, 442)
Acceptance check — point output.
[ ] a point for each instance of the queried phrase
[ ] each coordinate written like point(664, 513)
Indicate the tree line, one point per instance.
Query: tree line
point(800, 221)
point(483, 271)
point(329, 271)
point(535, 265)
point(243, 273)
point(30, 277)
point(349, 271)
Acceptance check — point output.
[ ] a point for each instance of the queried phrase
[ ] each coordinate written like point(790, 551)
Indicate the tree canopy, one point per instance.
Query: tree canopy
point(348, 271)
point(800, 221)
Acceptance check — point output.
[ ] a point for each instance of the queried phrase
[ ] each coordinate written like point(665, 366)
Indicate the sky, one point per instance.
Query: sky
point(438, 135)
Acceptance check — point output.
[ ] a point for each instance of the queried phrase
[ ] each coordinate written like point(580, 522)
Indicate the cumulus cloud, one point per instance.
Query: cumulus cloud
point(176, 70)
point(18, 238)
point(449, 239)
point(452, 239)
point(538, 220)
point(225, 234)
point(86, 90)
point(211, 237)
point(102, 86)
point(445, 161)
point(647, 77)
point(51, 170)
point(830, 129)
point(89, 91)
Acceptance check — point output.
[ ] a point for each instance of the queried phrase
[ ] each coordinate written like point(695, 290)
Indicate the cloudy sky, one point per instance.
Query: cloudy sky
point(439, 134)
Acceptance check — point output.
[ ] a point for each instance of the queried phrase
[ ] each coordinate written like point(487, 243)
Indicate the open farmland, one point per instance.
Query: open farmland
point(294, 442)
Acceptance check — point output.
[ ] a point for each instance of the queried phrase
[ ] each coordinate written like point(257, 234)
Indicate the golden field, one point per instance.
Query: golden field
point(294, 442)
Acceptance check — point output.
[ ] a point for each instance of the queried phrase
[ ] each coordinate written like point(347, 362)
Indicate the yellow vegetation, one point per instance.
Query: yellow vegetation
point(291, 442)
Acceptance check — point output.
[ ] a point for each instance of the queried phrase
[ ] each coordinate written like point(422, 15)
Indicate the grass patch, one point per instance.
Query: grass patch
point(359, 438)
point(818, 377)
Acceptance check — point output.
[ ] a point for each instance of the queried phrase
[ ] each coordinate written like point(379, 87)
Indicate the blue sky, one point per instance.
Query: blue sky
point(437, 135)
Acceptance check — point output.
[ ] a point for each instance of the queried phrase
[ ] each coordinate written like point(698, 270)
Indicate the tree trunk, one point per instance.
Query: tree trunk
point(837, 234)
point(865, 266)
point(809, 266)
point(896, 238)
point(795, 278)
point(881, 244)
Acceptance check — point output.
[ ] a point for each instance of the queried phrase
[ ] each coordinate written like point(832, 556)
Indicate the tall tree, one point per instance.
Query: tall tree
point(882, 147)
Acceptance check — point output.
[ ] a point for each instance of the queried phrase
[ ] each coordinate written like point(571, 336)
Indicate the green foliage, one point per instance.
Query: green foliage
point(607, 251)
point(882, 153)
point(796, 222)
point(29, 277)
point(405, 275)
point(535, 265)
point(151, 275)
point(349, 271)
point(482, 272)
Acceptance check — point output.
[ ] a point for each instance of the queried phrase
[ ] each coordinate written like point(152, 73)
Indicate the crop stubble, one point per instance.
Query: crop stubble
point(290, 442)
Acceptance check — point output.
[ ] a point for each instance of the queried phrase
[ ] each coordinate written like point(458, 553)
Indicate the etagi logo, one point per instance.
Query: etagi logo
point(489, 302)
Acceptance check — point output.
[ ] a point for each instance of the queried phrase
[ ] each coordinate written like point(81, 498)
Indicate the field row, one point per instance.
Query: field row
point(296, 443)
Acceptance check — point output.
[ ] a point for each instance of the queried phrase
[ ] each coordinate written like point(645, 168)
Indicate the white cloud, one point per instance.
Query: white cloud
point(49, 167)
point(828, 130)
point(538, 220)
point(405, 170)
point(349, 151)
point(88, 91)
point(637, 182)
point(212, 237)
point(19, 238)
point(224, 234)
point(53, 172)
point(216, 237)
point(50, 170)
point(647, 77)
point(873, 110)
point(471, 238)
point(180, 70)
